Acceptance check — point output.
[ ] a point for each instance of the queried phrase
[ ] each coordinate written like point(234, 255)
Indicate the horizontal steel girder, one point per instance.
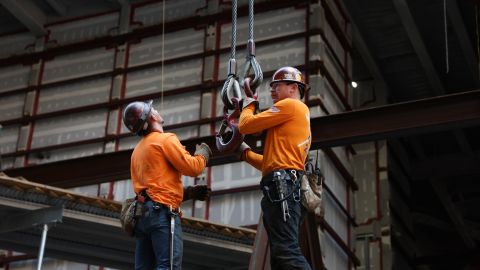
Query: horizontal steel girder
point(378, 123)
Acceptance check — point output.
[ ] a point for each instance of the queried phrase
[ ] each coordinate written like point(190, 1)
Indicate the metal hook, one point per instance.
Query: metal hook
point(252, 63)
point(229, 121)
point(231, 89)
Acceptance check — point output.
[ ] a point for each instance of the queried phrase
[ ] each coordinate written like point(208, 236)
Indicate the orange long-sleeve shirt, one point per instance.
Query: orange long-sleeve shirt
point(157, 163)
point(288, 135)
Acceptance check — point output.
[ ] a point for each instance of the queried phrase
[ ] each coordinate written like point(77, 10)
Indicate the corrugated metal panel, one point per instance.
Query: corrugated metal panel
point(69, 128)
point(176, 75)
point(8, 139)
point(268, 25)
point(65, 153)
point(176, 44)
point(174, 10)
point(78, 64)
point(12, 106)
point(234, 175)
point(14, 77)
point(236, 209)
point(335, 257)
point(74, 95)
point(84, 29)
point(15, 44)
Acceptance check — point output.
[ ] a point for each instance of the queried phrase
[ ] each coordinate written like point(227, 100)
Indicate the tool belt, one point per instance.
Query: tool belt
point(143, 196)
point(280, 185)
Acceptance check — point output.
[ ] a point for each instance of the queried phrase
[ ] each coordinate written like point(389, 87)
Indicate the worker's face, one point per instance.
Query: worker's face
point(157, 116)
point(281, 90)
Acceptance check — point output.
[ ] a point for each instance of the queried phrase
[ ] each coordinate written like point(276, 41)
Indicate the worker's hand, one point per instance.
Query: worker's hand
point(204, 150)
point(197, 192)
point(241, 149)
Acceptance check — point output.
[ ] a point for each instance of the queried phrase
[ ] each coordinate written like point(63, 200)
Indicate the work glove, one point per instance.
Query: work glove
point(252, 98)
point(204, 150)
point(197, 192)
point(241, 149)
point(247, 101)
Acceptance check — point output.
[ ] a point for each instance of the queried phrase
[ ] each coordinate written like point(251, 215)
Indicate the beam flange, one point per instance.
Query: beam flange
point(378, 123)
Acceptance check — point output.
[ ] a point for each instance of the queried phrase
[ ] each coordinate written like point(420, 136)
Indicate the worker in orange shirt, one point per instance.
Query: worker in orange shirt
point(286, 148)
point(157, 163)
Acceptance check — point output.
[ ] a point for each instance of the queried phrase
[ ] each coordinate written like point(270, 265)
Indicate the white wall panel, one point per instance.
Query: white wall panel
point(179, 108)
point(174, 10)
point(127, 142)
point(78, 65)
point(7, 163)
point(185, 132)
point(342, 154)
point(270, 57)
point(85, 29)
point(321, 89)
point(69, 128)
point(334, 179)
point(49, 263)
point(236, 209)
point(11, 106)
point(15, 44)
point(335, 44)
point(176, 44)
point(74, 95)
point(339, 18)
point(233, 175)
point(335, 217)
point(8, 139)
point(335, 257)
point(84, 150)
point(122, 190)
point(14, 77)
point(177, 75)
point(332, 66)
point(268, 25)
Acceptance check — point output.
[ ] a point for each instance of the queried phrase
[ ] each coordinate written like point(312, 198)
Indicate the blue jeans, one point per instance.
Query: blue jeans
point(285, 252)
point(152, 233)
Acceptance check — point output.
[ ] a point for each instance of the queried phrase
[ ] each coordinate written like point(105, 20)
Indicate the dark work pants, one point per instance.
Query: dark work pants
point(285, 253)
point(152, 233)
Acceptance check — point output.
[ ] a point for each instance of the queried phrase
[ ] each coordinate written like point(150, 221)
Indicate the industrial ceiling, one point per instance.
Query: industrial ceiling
point(416, 49)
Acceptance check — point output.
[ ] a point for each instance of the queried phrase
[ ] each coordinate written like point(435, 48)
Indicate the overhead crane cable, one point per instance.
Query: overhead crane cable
point(163, 55)
point(231, 88)
point(230, 96)
point(250, 85)
point(478, 36)
point(447, 64)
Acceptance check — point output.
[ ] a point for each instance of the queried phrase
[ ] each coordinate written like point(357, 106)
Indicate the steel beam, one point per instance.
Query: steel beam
point(378, 123)
point(464, 40)
point(32, 218)
point(414, 35)
point(58, 6)
point(28, 14)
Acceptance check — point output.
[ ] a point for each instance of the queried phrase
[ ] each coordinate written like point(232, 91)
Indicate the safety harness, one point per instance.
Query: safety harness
point(231, 93)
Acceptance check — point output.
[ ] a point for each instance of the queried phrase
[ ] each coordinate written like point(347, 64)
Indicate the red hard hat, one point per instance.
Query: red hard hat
point(292, 75)
point(135, 115)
